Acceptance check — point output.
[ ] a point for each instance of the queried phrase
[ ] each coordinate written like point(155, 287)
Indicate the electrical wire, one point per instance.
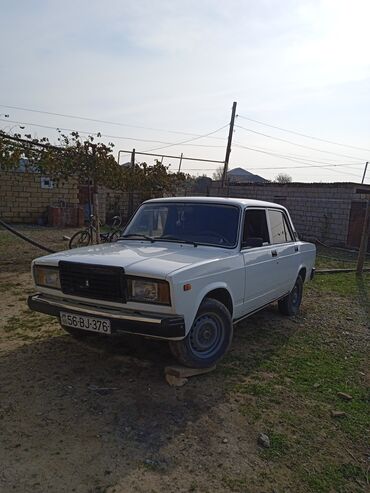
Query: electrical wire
point(189, 140)
point(291, 159)
point(296, 144)
point(303, 135)
point(100, 121)
point(111, 136)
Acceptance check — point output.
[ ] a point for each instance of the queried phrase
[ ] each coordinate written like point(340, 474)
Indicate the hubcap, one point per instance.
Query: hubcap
point(206, 335)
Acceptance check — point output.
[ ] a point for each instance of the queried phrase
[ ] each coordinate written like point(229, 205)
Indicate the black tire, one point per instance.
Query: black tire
point(209, 337)
point(80, 239)
point(291, 303)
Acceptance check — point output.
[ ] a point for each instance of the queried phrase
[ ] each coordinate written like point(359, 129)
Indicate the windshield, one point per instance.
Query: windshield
point(196, 223)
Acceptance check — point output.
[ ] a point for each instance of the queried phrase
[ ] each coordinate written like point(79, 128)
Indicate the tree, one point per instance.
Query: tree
point(217, 175)
point(283, 178)
point(84, 159)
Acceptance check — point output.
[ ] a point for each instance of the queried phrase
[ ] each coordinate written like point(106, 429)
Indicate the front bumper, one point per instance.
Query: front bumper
point(152, 325)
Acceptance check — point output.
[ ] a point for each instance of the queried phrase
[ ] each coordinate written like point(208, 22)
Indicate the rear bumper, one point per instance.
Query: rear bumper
point(153, 325)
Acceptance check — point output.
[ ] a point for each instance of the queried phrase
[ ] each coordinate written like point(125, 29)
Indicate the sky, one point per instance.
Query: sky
point(167, 71)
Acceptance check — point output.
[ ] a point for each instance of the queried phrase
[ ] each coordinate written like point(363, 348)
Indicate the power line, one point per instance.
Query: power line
point(296, 144)
point(279, 168)
point(112, 136)
point(291, 159)
point(302, 156)
point(99, 121)
point(189, 140)
point(302, 134)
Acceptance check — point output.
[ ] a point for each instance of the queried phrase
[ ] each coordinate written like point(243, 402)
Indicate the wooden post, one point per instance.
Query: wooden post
point(96, 217)
point(131, 192)
point(363, 176)
point(180, 163)
point(364, 241)
point(228, 148)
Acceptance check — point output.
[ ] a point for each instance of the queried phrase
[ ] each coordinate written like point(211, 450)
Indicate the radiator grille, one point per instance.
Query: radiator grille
point(100, 282)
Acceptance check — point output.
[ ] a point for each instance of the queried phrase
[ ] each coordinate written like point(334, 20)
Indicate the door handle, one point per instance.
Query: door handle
point(274, 253)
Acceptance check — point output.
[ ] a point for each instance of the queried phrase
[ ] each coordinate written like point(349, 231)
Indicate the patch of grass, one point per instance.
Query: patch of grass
point(343, 284)
point(236, 484)
point(30, 325)
point(279, 446)
point(7, 286)
point(332, 258)
point(256, 388)
point(318, 371)
point(333, 477)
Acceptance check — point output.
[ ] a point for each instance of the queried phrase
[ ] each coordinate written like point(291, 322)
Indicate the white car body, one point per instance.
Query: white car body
point(247, 278)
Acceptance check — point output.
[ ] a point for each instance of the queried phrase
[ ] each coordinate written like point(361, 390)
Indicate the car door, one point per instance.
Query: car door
point(259, 263)
point(285, 251)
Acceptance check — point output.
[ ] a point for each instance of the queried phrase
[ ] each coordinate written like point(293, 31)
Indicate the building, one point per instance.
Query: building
point(332, 213)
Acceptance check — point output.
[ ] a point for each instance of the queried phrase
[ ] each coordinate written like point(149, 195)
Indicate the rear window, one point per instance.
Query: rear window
point(280, 232)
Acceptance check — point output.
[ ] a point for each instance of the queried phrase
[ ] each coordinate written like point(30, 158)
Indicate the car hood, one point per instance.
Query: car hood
point(141, 258)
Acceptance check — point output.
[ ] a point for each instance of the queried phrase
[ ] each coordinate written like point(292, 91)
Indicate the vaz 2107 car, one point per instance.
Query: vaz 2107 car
point(185, 270)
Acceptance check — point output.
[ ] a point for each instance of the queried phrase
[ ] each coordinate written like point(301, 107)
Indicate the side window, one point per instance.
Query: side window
point(255, 230)
point(280, 232)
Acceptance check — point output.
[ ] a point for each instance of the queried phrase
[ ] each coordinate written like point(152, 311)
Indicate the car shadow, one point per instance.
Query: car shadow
point(77, 410)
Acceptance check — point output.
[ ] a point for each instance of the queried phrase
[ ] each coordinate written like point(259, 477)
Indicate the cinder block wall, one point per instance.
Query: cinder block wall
point(319, 211)
point(22, 200)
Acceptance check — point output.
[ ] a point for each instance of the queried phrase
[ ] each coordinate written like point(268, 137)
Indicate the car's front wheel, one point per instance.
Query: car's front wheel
point(209, 338)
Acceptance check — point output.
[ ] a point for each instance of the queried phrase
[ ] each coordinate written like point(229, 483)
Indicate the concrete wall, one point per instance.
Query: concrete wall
point(319, 211)
point(22, 200)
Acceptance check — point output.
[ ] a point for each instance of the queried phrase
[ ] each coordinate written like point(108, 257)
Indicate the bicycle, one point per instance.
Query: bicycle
point(85, 237)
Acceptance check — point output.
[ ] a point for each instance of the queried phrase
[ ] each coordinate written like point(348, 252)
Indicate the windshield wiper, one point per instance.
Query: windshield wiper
point(137, 235)
point(174, 238)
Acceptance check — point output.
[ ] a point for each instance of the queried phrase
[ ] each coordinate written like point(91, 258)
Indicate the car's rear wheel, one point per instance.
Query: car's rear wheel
point(291, 303)
point(209, 337)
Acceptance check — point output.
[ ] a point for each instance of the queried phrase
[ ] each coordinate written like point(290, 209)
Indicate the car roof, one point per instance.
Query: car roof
point(219, 200)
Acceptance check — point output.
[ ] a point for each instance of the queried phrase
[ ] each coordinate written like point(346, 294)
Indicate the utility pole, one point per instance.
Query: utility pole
point(363, 176)
point(180, 162)
point(364, 240)
point(228, 148)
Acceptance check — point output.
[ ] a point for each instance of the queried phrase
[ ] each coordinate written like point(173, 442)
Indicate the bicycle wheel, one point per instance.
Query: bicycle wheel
point(80, 239)
point(114, 236)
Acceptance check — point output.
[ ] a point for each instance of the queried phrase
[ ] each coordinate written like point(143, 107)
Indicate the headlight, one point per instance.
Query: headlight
point(148, 291)
point(47, 276)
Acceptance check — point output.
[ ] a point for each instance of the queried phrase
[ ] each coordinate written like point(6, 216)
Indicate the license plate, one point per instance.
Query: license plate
point(93, 324)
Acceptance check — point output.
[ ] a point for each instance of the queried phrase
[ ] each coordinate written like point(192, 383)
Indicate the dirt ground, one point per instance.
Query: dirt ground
point(97, 415)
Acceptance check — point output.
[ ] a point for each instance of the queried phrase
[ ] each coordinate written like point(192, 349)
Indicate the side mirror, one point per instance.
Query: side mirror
point(252, 242)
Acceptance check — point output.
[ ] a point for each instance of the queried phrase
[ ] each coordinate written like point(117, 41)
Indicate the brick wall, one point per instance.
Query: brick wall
point(319, 211)
point(22, 200)
point(113, 202)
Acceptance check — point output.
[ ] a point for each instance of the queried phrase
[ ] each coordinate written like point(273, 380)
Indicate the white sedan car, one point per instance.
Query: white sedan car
point(185, 269)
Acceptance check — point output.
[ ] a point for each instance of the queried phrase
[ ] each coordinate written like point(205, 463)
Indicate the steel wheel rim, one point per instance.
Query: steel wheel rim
point(206, 335)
